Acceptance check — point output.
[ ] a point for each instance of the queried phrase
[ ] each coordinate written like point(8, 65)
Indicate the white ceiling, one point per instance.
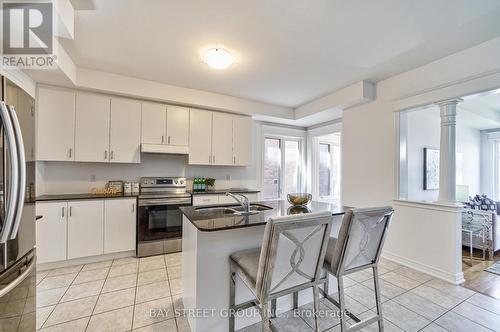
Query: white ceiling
point(287, 52)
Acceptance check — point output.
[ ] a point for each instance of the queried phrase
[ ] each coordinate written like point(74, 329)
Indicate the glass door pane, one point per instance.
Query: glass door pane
point(291, 176)
point(272, 169)
point(325, 176)
point(336, 172)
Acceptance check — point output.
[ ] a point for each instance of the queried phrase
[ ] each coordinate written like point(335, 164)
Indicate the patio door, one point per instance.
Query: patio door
point(282, 167)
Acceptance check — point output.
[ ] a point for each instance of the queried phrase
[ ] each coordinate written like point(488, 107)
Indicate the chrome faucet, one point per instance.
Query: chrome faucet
point(243, 201)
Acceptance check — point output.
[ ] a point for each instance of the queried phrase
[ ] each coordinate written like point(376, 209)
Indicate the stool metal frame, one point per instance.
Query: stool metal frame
point(299, 277)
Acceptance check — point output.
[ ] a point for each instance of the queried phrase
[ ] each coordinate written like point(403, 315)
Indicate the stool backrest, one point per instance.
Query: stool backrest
point(293, 251)
point(360, 240)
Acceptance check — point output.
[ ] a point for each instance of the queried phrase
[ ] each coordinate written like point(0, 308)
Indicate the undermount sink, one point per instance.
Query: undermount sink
point(233, 210)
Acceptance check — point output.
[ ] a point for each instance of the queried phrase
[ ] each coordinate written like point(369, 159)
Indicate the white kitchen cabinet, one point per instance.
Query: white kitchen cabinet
point(200, 137)
point(119, 225)
point(85, 228)
point(154, 117)
point(125, 131)
point(242, 140)
point(55, 124)
point(222, 139)
point(213, 199)
point(51, 231)
point(177, 125)
point(92, 127)
point(200, 200)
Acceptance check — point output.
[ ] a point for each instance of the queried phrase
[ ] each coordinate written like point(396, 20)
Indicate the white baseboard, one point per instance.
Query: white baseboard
point(430, 270)
point(84, 260)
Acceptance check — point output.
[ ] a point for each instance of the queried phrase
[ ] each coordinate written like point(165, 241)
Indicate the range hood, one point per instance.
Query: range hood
point(164, 149)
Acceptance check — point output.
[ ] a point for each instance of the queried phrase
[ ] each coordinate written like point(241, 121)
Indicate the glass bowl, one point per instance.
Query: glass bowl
point(299, 199)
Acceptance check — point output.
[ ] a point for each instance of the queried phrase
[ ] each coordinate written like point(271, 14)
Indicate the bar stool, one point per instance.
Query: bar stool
point(291, 259)
point(357, 247)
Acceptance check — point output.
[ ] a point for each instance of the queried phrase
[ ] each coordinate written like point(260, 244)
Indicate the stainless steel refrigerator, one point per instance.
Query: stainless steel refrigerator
point(17, 210)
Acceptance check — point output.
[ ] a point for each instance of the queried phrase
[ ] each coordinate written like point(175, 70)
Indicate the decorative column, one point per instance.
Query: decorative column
point(448, 152)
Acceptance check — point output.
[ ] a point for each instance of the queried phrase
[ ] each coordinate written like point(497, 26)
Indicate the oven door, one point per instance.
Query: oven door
point(160, 219)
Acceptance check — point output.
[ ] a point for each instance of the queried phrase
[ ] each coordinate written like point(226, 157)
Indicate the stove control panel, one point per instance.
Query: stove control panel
point(161, 182)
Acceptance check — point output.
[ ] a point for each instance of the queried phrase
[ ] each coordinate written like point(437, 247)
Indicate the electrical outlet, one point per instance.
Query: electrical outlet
point(228, 177)
point(92, 177)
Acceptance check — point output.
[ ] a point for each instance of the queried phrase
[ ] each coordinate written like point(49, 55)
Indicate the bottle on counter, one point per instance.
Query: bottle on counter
point(196, 184)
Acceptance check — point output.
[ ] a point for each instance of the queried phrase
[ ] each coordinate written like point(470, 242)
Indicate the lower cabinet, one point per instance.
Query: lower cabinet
point(213, 199)
point(75, 229)
point(85, 228)
point(119, 225)
point(51, 231)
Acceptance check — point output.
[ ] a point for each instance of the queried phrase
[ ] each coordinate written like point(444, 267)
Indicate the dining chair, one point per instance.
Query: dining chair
point(290, 259)
point(357, 247)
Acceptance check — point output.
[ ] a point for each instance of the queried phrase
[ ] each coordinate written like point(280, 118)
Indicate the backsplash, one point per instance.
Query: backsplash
point(71, 177)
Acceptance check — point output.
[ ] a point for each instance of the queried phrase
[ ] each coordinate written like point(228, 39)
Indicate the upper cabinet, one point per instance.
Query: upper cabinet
point(222, 139)
point(242, 140)
point(154, 117)
point(177, 125)
point(125, 131)
point(87, 127)
point(165, 128)
point(200, 137)
point(92, 127)
point(217, 138)
point(55, 124)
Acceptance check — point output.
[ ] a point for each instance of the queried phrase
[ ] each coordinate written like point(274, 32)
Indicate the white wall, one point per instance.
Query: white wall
point(369, 131)
point(423, 130)
point(76, 177)
point(369, 167)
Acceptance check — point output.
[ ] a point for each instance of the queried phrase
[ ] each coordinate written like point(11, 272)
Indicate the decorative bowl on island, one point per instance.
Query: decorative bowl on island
point(299, 199)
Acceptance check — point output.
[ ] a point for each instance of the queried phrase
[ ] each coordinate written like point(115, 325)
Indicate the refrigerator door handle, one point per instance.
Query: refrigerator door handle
point(10, 205)
point(22, 172)
point(13, 284)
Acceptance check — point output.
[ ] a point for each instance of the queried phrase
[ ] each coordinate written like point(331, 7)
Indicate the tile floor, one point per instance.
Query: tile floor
point(114, 295)
point(117, 296)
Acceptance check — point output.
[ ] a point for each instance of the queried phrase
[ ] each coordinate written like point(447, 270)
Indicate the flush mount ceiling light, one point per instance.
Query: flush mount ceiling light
point(218, 58)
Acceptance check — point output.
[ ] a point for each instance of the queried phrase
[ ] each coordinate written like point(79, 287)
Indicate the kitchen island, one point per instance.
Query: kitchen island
point(210, 235)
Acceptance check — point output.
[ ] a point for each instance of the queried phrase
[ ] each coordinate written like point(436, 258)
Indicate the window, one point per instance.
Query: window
point(272, 168)
point(292, 167)
point(329, 171)
point(325, 175)
point(282, 167)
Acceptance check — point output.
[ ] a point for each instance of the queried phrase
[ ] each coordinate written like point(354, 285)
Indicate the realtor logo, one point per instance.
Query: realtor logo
point(27, 28)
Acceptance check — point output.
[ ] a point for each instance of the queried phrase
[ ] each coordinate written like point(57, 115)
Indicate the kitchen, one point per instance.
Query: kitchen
point(155, 181)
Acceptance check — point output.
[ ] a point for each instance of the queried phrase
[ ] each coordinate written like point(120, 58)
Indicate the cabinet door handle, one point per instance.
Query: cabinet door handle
point(213, 159)
point(112, 154)
point(133, 207)
point(168, 139)
point(62, 212)
point(209, 159)
point(70, 211)
point(106, 155)
point(162, 139)
point(234, 159)
point(70, 152)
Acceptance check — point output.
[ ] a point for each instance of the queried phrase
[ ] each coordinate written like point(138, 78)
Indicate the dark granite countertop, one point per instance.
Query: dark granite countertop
point(209, 222)
point(223, 191)
point(70, 197)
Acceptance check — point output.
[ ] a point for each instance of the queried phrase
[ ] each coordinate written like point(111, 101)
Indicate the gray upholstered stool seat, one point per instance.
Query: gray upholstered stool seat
point(246, 263)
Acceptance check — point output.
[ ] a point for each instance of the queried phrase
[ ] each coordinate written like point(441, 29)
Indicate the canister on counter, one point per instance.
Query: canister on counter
point(135, 187)
point(127, 188)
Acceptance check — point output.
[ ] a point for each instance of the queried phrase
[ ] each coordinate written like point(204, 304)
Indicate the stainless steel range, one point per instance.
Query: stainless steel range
point(159, 222)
